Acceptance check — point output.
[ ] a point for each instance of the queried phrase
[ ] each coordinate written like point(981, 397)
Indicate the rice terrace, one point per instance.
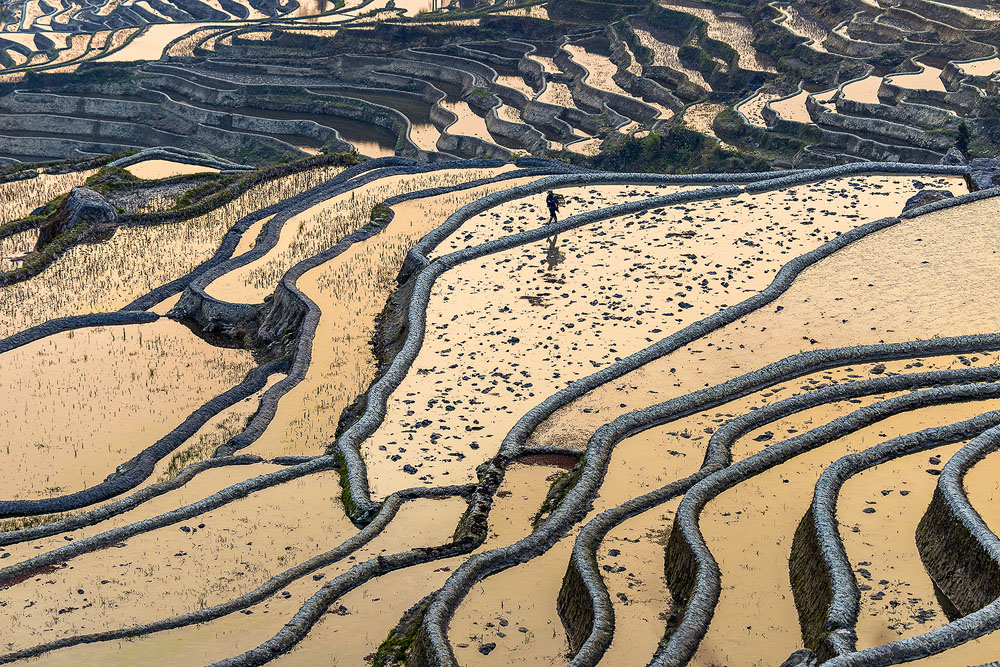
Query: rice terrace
point(426, 333)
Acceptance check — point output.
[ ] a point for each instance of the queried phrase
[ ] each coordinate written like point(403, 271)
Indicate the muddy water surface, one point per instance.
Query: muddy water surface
point(586, 147)
point(631, 561)
point(531, 212)
point(558, 94)
point(321, 227)
point(155, 169)
point(865, 90)
point(15, 249)
point(912, 293)
point(151, 43)
point(204, 484)
point(634, 550)
point(878, 512)
point(794, 108)
point(733, 30)
point(750, 527)
point(249, 239)
point(215, 432)
point(752, 108)
point(20, 198)
point(469, 123)
point(517, 83)
point(804, 26)
point(699, 117)
point(525, 596)
point(222, 554)
point(665, 54)
point(981, 67)
point(830, 300)
point(184, 48)
point(414, 7)
point(601, 76)
point(88, 400)
point(927, 79)
point(983, 489)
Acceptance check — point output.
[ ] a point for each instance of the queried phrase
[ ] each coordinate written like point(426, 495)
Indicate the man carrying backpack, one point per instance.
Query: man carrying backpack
point(552, 201)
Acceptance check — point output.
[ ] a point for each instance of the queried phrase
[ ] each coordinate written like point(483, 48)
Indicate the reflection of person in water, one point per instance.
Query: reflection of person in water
point(553, 257)
point(552, 201)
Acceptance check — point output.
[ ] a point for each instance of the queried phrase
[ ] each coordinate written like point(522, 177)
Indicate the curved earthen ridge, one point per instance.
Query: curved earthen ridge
point(843, 608)
point(208, 311)
point(978, 545)
point(131, 473)
point(182, 156)
point(225, 193)
point(239, 46)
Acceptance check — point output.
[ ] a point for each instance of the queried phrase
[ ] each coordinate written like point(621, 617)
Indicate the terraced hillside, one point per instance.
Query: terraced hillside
point(297, 368)
point(607, 84)
point(346, 411)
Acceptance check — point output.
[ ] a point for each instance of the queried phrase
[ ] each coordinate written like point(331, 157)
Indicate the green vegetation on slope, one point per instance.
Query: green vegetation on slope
point(678, 150)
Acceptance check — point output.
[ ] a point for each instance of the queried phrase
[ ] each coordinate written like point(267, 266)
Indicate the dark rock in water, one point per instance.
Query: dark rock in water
point(83, 206)
point(801, 658)
point(925, 197)
point(954, 157)
point(985, 172)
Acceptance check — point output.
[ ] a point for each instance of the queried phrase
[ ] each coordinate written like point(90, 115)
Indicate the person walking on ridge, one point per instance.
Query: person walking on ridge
point(552, 201)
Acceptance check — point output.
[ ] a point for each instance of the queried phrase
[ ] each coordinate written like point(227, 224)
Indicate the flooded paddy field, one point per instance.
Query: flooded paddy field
point(90, 399)
point(21, 197)
point(699, 117)
point(793, 108)
point(151, 42)
point(371, 612)
point(750, 529)
point(235, 32)
point(601, 75)
point(864, 90)
point(422, 131)
point(666, 54)
point(156, 169)
point(426, 522)
point(729, 28)
point(321, 227)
